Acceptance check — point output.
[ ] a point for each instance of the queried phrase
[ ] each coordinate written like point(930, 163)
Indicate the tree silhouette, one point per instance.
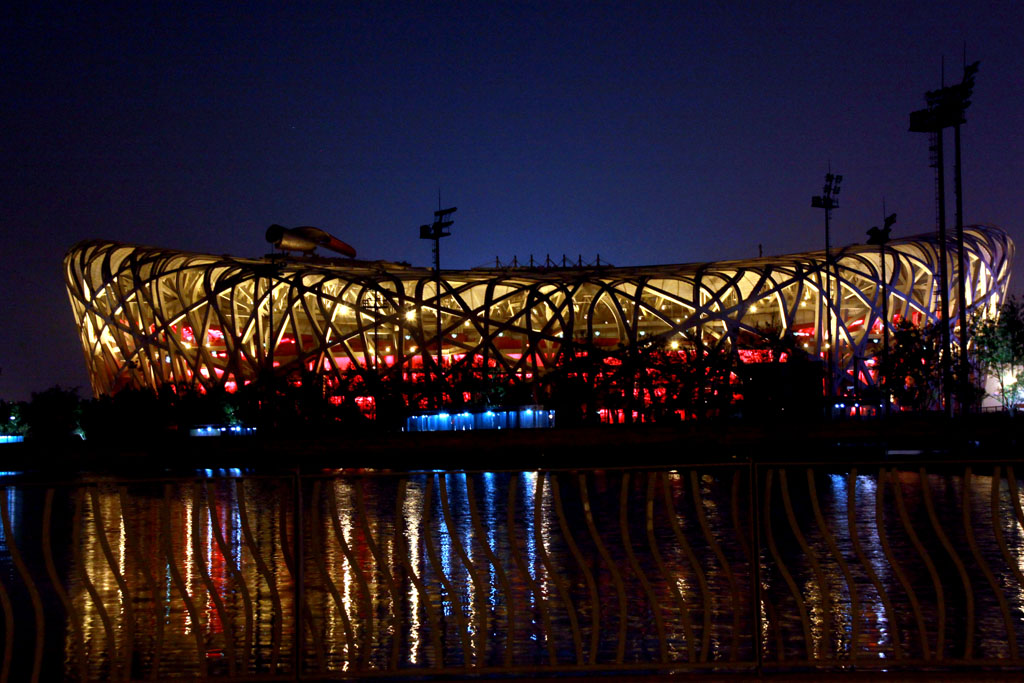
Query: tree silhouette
point(53, 416)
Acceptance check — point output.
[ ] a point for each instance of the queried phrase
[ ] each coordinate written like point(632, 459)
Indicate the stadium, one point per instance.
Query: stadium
point(150, 317)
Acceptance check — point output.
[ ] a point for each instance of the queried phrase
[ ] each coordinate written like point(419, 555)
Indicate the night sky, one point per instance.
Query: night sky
point(644, 132)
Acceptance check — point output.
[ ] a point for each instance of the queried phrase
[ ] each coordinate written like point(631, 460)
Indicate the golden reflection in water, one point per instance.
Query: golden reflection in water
point(360, 565)
point(1014, 530)
point(412, 513)
point(340, 531)
point(103, 635)
point(140, 556)
point(189, 549)
point(335, 564)
point(816, 612)
point(548, 516)
point(121, 542)
point(765, 624)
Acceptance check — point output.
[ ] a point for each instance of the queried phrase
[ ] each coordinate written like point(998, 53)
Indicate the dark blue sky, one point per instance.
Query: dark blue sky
point(646, 132)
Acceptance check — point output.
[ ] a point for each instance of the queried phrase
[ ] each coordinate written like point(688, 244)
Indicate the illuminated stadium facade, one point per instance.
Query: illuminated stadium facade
point(150, 317)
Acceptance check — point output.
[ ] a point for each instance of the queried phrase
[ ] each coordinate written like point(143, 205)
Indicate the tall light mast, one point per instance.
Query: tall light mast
point(828, 200)
point(945, 109)
point(441, 227)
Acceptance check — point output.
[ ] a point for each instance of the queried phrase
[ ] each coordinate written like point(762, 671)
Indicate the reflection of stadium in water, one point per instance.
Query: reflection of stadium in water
point(149, 317)
point(161, 573)
point(491, 571)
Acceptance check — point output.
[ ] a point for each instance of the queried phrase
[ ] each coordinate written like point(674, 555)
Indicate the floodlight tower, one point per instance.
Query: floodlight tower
point(966, 87)
point(880, 236)
point(828, 200)
point(945, 109)
point(441, 227)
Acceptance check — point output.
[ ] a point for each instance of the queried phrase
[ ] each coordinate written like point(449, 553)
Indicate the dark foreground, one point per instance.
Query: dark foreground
point(900, 437)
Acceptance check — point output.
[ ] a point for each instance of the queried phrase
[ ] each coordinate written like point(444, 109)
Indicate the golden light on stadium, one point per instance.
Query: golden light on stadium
point(195, 320)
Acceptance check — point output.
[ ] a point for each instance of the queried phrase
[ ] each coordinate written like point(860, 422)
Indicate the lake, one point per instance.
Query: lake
point(732, 567)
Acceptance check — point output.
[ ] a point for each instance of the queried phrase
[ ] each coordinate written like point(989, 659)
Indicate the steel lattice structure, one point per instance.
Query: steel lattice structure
point(150, 317)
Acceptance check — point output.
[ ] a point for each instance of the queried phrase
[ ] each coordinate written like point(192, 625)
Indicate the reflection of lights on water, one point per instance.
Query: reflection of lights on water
point(529, 497)
point(121, 548)
point(674, 482)
point(487, 613)
point(866, 492)
point(206, 516)
point(332, 559)
point(412, 513)
point(220, 526)
point(817, 616)
point(547, 516)
point(489, 524)
point(10, 493)
point(92, 570)
point(842, 605)
point(456, 505)
point(134, 558)
point(100, 570)
point(343, 495)
point(236, 527)
point(189, 560)
point(1013, 532)
point(13, 498)
point(445, 545)
point(764, 616)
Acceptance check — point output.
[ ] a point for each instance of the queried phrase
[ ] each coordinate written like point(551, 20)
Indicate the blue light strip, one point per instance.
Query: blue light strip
point(519, 418)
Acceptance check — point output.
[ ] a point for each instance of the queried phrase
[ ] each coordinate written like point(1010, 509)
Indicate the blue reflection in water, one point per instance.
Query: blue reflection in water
point(489, 523)
point(528, 500)
point(866, 490)
point(13, 504)
point(841, 600)
point(529, 489)
point(445, 543)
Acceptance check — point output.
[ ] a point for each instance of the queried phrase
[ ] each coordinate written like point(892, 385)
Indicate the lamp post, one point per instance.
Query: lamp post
point(880, 236)
point(828, 201)
point(441, 227)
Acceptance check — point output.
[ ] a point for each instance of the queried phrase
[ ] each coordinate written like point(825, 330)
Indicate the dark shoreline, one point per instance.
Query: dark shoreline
point(931, 438)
